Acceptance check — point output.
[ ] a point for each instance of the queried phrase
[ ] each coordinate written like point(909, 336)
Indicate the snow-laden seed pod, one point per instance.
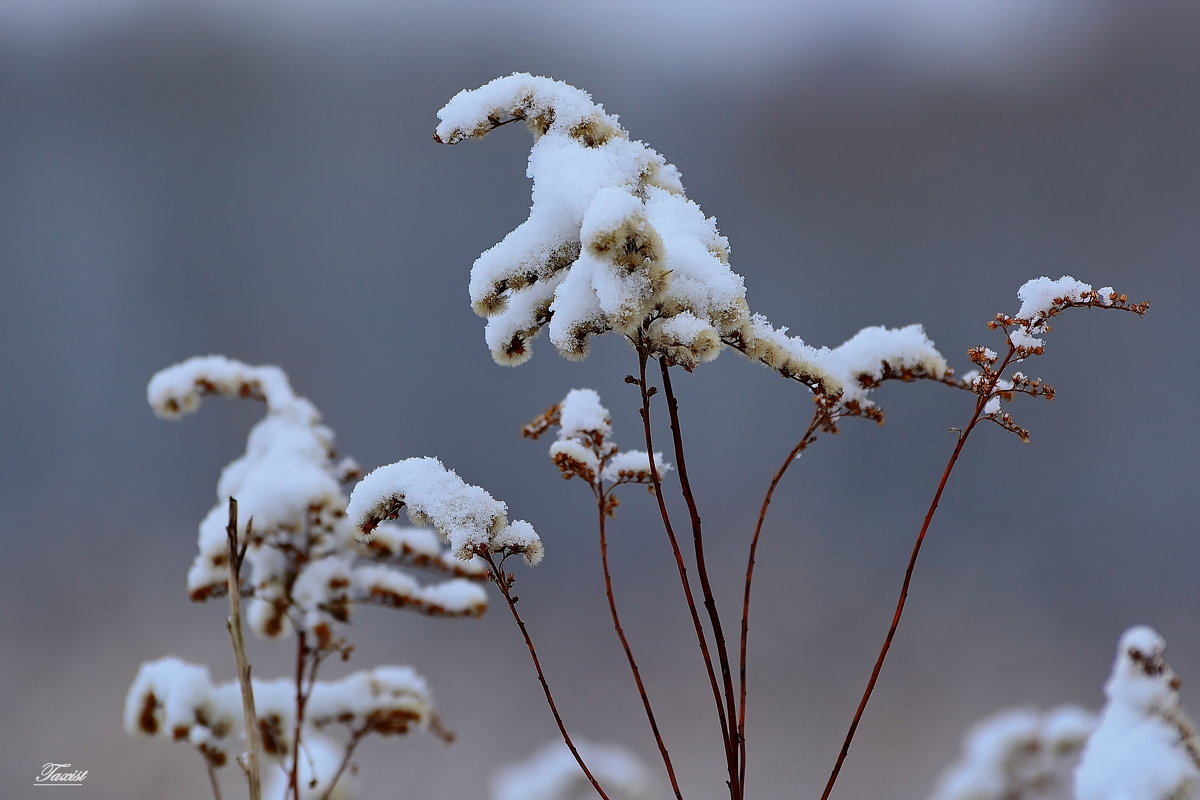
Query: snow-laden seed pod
point(612, 243)
point(608, 211)
point(464, 516)
point(584, 449)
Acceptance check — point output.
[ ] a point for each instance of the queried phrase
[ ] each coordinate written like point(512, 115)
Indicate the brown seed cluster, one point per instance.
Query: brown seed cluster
point(1022, 338)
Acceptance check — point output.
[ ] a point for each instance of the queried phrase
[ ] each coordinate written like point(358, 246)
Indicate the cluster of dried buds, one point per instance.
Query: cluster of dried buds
point(1041, 300)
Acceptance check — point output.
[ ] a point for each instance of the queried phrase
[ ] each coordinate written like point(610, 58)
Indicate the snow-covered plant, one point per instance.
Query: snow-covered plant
point(552, 774)
point(1142, 746)
point(613, 244)
point(1145, 746)
point(295, 561)
point(1020, 754)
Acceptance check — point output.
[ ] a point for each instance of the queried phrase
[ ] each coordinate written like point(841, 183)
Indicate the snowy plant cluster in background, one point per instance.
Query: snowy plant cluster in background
point(1021, 754)
point(583, 449)
point(552, 774)
point(305, 567)
point(178, 701)
point(302, 571)
point(612, 243)
point(1145, 747)
point(1140, 747)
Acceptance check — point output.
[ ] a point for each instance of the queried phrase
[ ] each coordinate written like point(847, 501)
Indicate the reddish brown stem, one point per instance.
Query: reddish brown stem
point(501, 581)
point(689, 596)
point(908, 572)
point(805, 440)
point(633, 667)
point(301, 698)
point(710, 603)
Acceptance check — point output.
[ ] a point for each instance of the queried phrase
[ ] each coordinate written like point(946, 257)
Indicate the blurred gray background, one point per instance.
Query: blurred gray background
point(258, 180)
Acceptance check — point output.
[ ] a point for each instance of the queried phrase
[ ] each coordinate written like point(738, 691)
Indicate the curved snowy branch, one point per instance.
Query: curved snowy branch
point(466, 517)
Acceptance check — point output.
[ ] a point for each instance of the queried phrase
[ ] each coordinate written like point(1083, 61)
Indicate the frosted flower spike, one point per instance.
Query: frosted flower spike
point(612, 243)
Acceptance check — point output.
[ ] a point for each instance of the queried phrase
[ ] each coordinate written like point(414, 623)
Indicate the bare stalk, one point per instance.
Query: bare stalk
point(601, 498)
point(301, 702)
point(710, 603)
point(502, 583)
point(355, 738)
point(234, 625)
point(908, 572)
point(689, 596)
point(212, 779)
point(809, 436)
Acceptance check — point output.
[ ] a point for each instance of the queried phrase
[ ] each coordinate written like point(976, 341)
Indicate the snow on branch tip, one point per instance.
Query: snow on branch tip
point(463, 516)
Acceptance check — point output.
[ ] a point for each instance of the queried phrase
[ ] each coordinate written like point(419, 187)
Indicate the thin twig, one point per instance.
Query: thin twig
point(633, 667)
point(301, 698)
point(234, 625)
point(818, 416)
point(912, 561)
point(355, 738)
point(710, 602)
point(701, 639)
point(502, 583)
point(212, 779)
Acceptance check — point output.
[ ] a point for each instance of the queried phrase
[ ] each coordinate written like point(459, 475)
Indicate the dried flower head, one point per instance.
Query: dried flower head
point(466, 517)
point(583, 448)
point(612, 243)
point(302, 557)
point(1041, 300)
point(178, 701)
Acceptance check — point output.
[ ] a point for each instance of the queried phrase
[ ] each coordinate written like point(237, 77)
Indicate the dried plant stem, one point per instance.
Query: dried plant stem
point(710, 603)
point(253, 738)
point(819, 416)
point(601, 498)
point(980, 402)
point(502, 583)
point(301, 702)
point(212, 780)
point(689, 596)
point(355, 738)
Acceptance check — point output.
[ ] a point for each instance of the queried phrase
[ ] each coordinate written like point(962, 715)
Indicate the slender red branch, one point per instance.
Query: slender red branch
point(633, 667)
point(912, 562)
point(710, 603)
point(301, 698)
point(502, 583)
point(808, 437)
point(689, 596)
